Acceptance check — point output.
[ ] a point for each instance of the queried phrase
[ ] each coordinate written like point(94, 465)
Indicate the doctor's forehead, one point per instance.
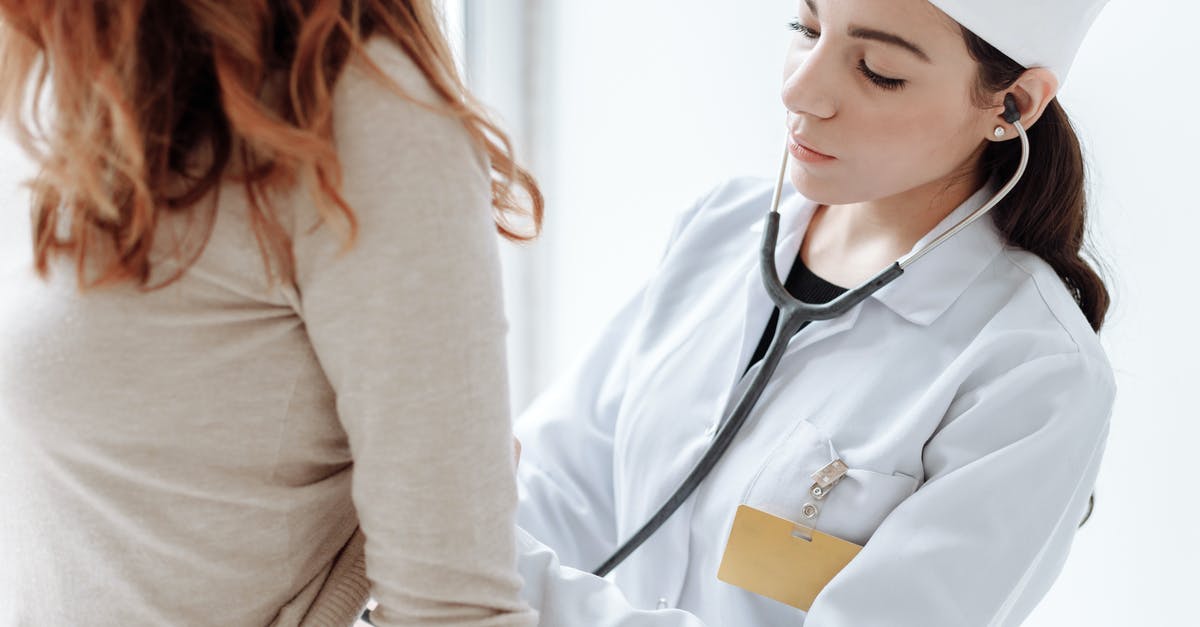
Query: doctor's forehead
point(915, 26)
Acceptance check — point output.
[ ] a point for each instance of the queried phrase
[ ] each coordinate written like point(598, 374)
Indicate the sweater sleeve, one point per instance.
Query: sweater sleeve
point(408, 326)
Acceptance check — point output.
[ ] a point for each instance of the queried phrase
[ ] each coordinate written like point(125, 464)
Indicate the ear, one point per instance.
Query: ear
point(1033, 90)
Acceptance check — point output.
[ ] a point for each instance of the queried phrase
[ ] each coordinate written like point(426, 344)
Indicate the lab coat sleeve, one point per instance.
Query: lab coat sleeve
point(565, 487)
point(565, 477)
point(568, 597)
point(1008, 475)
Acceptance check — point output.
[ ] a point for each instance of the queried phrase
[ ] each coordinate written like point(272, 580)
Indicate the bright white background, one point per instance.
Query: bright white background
point(629, 109)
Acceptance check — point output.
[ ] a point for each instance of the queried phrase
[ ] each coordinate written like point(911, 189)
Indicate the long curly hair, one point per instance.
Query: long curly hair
point(137, 87)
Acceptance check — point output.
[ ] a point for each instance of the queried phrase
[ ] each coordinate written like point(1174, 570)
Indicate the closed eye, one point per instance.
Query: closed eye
point(806, 32)
point(880, 80)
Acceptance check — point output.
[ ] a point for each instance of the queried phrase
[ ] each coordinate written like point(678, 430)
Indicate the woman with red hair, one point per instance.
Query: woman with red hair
point(241, 387)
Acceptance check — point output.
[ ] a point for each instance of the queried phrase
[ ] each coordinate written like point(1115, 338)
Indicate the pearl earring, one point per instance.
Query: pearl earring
point(1000, 132)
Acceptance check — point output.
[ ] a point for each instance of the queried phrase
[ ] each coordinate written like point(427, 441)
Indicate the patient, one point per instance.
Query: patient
point(237, 383)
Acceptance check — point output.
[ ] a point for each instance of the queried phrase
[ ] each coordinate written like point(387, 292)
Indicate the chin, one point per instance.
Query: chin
point(822, 190)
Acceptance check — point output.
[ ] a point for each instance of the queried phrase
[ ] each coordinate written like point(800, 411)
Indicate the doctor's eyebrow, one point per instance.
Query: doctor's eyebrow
point(872, 34)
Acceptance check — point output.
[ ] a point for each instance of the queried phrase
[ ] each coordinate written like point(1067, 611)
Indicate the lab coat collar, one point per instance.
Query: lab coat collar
point(931, 284)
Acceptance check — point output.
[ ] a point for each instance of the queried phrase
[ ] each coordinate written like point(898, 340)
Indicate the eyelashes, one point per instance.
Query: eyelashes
point(795, 25)
point(883, 82)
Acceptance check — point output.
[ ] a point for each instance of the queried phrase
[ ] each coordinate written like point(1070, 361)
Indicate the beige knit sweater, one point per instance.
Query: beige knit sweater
point(205, 454)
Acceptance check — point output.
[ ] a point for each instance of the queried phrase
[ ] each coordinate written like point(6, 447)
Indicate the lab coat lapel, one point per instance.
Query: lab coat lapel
point(794, 215)
point(796, 212)
point(670, 545)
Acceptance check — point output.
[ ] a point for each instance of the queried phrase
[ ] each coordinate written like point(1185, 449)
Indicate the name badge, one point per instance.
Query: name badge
point(780, 559)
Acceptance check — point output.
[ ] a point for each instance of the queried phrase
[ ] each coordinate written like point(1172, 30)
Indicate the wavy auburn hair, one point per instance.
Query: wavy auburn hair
point(138, 86)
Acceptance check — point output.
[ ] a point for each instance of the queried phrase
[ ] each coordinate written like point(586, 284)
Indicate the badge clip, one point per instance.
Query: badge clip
point(827, 477)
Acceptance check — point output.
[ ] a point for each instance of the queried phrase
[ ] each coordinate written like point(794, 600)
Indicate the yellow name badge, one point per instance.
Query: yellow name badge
point(773, 557)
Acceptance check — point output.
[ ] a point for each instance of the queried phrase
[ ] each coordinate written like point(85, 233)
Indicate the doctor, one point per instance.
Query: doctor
point(923, 460)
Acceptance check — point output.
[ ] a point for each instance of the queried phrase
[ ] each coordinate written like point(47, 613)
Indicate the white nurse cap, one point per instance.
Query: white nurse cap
point(1034, 33)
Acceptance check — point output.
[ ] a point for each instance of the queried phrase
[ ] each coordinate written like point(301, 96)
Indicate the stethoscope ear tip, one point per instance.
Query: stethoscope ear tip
point(1012, 112)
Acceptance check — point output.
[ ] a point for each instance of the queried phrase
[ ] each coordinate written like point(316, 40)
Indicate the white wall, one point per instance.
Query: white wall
point(643, 104)
point(626, 111)
point(1133, 97)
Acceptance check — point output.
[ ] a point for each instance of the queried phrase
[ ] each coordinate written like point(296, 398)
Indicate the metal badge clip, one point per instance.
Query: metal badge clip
point(825, 478)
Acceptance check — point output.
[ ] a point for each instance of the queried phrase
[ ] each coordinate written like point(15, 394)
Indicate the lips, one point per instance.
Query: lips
point(811, 148)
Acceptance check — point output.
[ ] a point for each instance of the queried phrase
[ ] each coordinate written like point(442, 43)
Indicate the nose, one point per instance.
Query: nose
point(808, 83)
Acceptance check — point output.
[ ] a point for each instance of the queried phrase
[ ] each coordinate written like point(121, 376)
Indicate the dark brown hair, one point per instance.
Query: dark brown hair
point(1046, 213)
point(139, 85)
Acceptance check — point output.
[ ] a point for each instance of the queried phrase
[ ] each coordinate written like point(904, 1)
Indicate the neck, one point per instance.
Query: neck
point(848, 244)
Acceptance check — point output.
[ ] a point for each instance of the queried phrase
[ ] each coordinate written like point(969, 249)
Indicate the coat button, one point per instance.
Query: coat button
point(662, 603)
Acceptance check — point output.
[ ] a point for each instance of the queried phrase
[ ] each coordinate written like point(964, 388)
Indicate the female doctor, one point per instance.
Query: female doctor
point(961, 411)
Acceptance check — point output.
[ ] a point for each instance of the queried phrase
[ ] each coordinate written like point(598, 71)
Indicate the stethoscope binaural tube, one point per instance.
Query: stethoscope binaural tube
point(795, 315)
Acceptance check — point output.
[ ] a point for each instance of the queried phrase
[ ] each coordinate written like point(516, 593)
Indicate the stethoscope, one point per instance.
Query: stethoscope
point(795, 315)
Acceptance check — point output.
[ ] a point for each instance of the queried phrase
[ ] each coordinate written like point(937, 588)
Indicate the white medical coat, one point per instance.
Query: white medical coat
point(969, 398)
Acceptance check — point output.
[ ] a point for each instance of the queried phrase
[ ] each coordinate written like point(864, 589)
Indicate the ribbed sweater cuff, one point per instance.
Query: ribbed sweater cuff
point(347, 590)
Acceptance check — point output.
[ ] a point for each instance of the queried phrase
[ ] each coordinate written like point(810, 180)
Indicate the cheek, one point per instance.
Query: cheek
point(888, 152)
point(946, 137)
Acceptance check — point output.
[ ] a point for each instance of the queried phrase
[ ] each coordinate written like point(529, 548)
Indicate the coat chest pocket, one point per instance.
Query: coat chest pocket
point(854, 507)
